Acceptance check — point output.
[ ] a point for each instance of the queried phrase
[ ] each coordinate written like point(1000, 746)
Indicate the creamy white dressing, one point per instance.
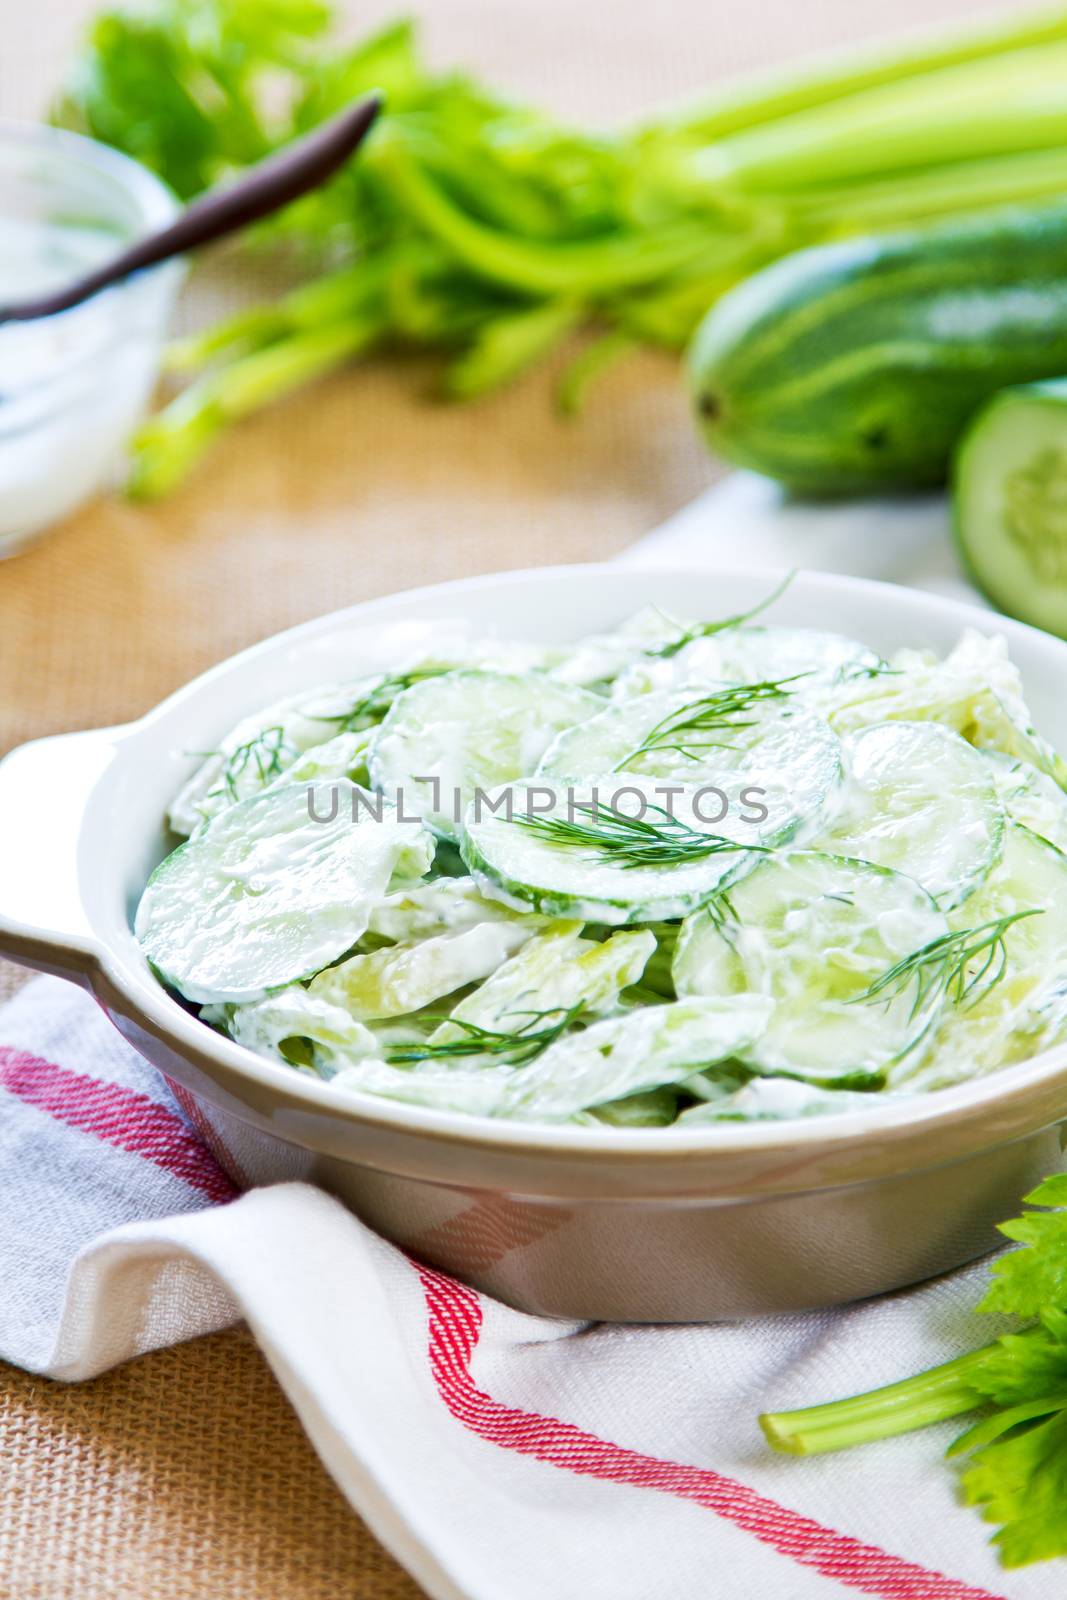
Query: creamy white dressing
point(810, 976)
point(71, 385)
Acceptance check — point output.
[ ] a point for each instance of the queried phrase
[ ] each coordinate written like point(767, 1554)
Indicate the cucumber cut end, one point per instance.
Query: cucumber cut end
point(1010, 504)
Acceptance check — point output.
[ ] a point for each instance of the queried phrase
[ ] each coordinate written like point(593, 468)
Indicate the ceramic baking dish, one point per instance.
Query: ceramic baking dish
point(641, 1225)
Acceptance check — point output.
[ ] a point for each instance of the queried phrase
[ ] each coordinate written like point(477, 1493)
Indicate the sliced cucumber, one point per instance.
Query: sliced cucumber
point(1025, 1010)
point(439, 905)
point(1010, 502)
point(749, 655)
point(788, 757)
point(976, 690)
point(298, 1028)
point(814, 932)
point(527, 866)
point(1030, 797)
point(919, 799)
point(262, 747)
point(596, 661)
point(551, 975)
point(779, 1100)
point(449, 735)
point(402, 978)
point(647, 1049)
point(266, 893)
point(472, 1090)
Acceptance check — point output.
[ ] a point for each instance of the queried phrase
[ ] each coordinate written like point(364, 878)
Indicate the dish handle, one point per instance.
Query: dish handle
point(44, 789)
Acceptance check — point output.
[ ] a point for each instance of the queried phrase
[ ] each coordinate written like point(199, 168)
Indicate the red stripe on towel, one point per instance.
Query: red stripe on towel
point(455, 1319)
point(132, 1122)
point(120, 1117)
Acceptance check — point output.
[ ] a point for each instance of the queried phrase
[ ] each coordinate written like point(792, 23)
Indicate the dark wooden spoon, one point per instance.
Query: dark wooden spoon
point(264, 188)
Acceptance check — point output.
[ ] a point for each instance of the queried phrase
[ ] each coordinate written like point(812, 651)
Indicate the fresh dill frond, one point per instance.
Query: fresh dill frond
point(619, 840)
point(705, 630)
point(267, 756)
point(721, 911)
point(515, 1049)
point(941, 967)
point(690, 730)
point(857, 672)
point(372, 706)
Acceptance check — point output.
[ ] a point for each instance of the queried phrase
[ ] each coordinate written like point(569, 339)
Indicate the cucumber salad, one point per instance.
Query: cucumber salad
point(680, 873)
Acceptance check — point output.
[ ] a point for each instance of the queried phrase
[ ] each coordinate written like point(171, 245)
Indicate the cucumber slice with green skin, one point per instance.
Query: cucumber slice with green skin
point(976, 690)
point(921, 800)
point(266, 894)
point(650, 1048)
point(1026, 1010)
point(449, 735)
point(813, 932)
point(1010, 503)
point(1030, 797)
point(786, 755)
point(749, 655)
point(527, 869)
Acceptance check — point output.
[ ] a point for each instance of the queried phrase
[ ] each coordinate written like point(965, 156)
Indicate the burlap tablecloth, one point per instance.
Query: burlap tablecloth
point(185, 1474)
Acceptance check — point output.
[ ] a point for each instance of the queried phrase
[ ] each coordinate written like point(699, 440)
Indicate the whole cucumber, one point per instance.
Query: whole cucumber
point(857, 366)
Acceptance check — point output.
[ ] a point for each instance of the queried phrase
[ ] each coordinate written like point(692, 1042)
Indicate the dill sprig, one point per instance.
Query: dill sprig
point(704, 630)
point(690, 730)
point(372, 706)
point(267, 756)
point(624, 841)
point(940, 967)
point(856, 672)
point(516, 1048)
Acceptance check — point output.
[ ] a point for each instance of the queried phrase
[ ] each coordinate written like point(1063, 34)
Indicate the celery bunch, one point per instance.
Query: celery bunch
point(485, 230)
point(1017, 1454)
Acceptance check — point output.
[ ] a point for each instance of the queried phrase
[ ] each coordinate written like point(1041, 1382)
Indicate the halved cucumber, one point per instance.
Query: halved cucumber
point(1010, 502)
point(531, 867)
point(786, 755)
point(449, 735)
point(921, 800)
point(814, 932)
point(268, 893)
point(749, 655)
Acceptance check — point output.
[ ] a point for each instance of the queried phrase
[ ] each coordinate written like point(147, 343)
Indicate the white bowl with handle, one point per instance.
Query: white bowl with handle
point(666, 1224)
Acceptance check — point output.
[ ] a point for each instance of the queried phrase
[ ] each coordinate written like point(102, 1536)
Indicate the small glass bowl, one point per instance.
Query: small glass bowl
point(72, 386)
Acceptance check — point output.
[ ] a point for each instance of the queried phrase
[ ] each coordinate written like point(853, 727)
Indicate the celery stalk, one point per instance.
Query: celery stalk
point(932, 1396)
point(769, 96)
point(598, 266)
point(169, 444)
point(958, 186)
point(1016, 102)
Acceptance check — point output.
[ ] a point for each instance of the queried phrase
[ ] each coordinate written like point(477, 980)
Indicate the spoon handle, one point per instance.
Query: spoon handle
point(267, 186)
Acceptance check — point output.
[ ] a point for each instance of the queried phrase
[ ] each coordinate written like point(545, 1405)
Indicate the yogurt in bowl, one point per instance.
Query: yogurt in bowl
point(72, 386)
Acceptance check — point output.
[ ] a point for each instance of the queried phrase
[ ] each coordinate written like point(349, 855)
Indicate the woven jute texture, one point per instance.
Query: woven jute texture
point(184, 1474)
